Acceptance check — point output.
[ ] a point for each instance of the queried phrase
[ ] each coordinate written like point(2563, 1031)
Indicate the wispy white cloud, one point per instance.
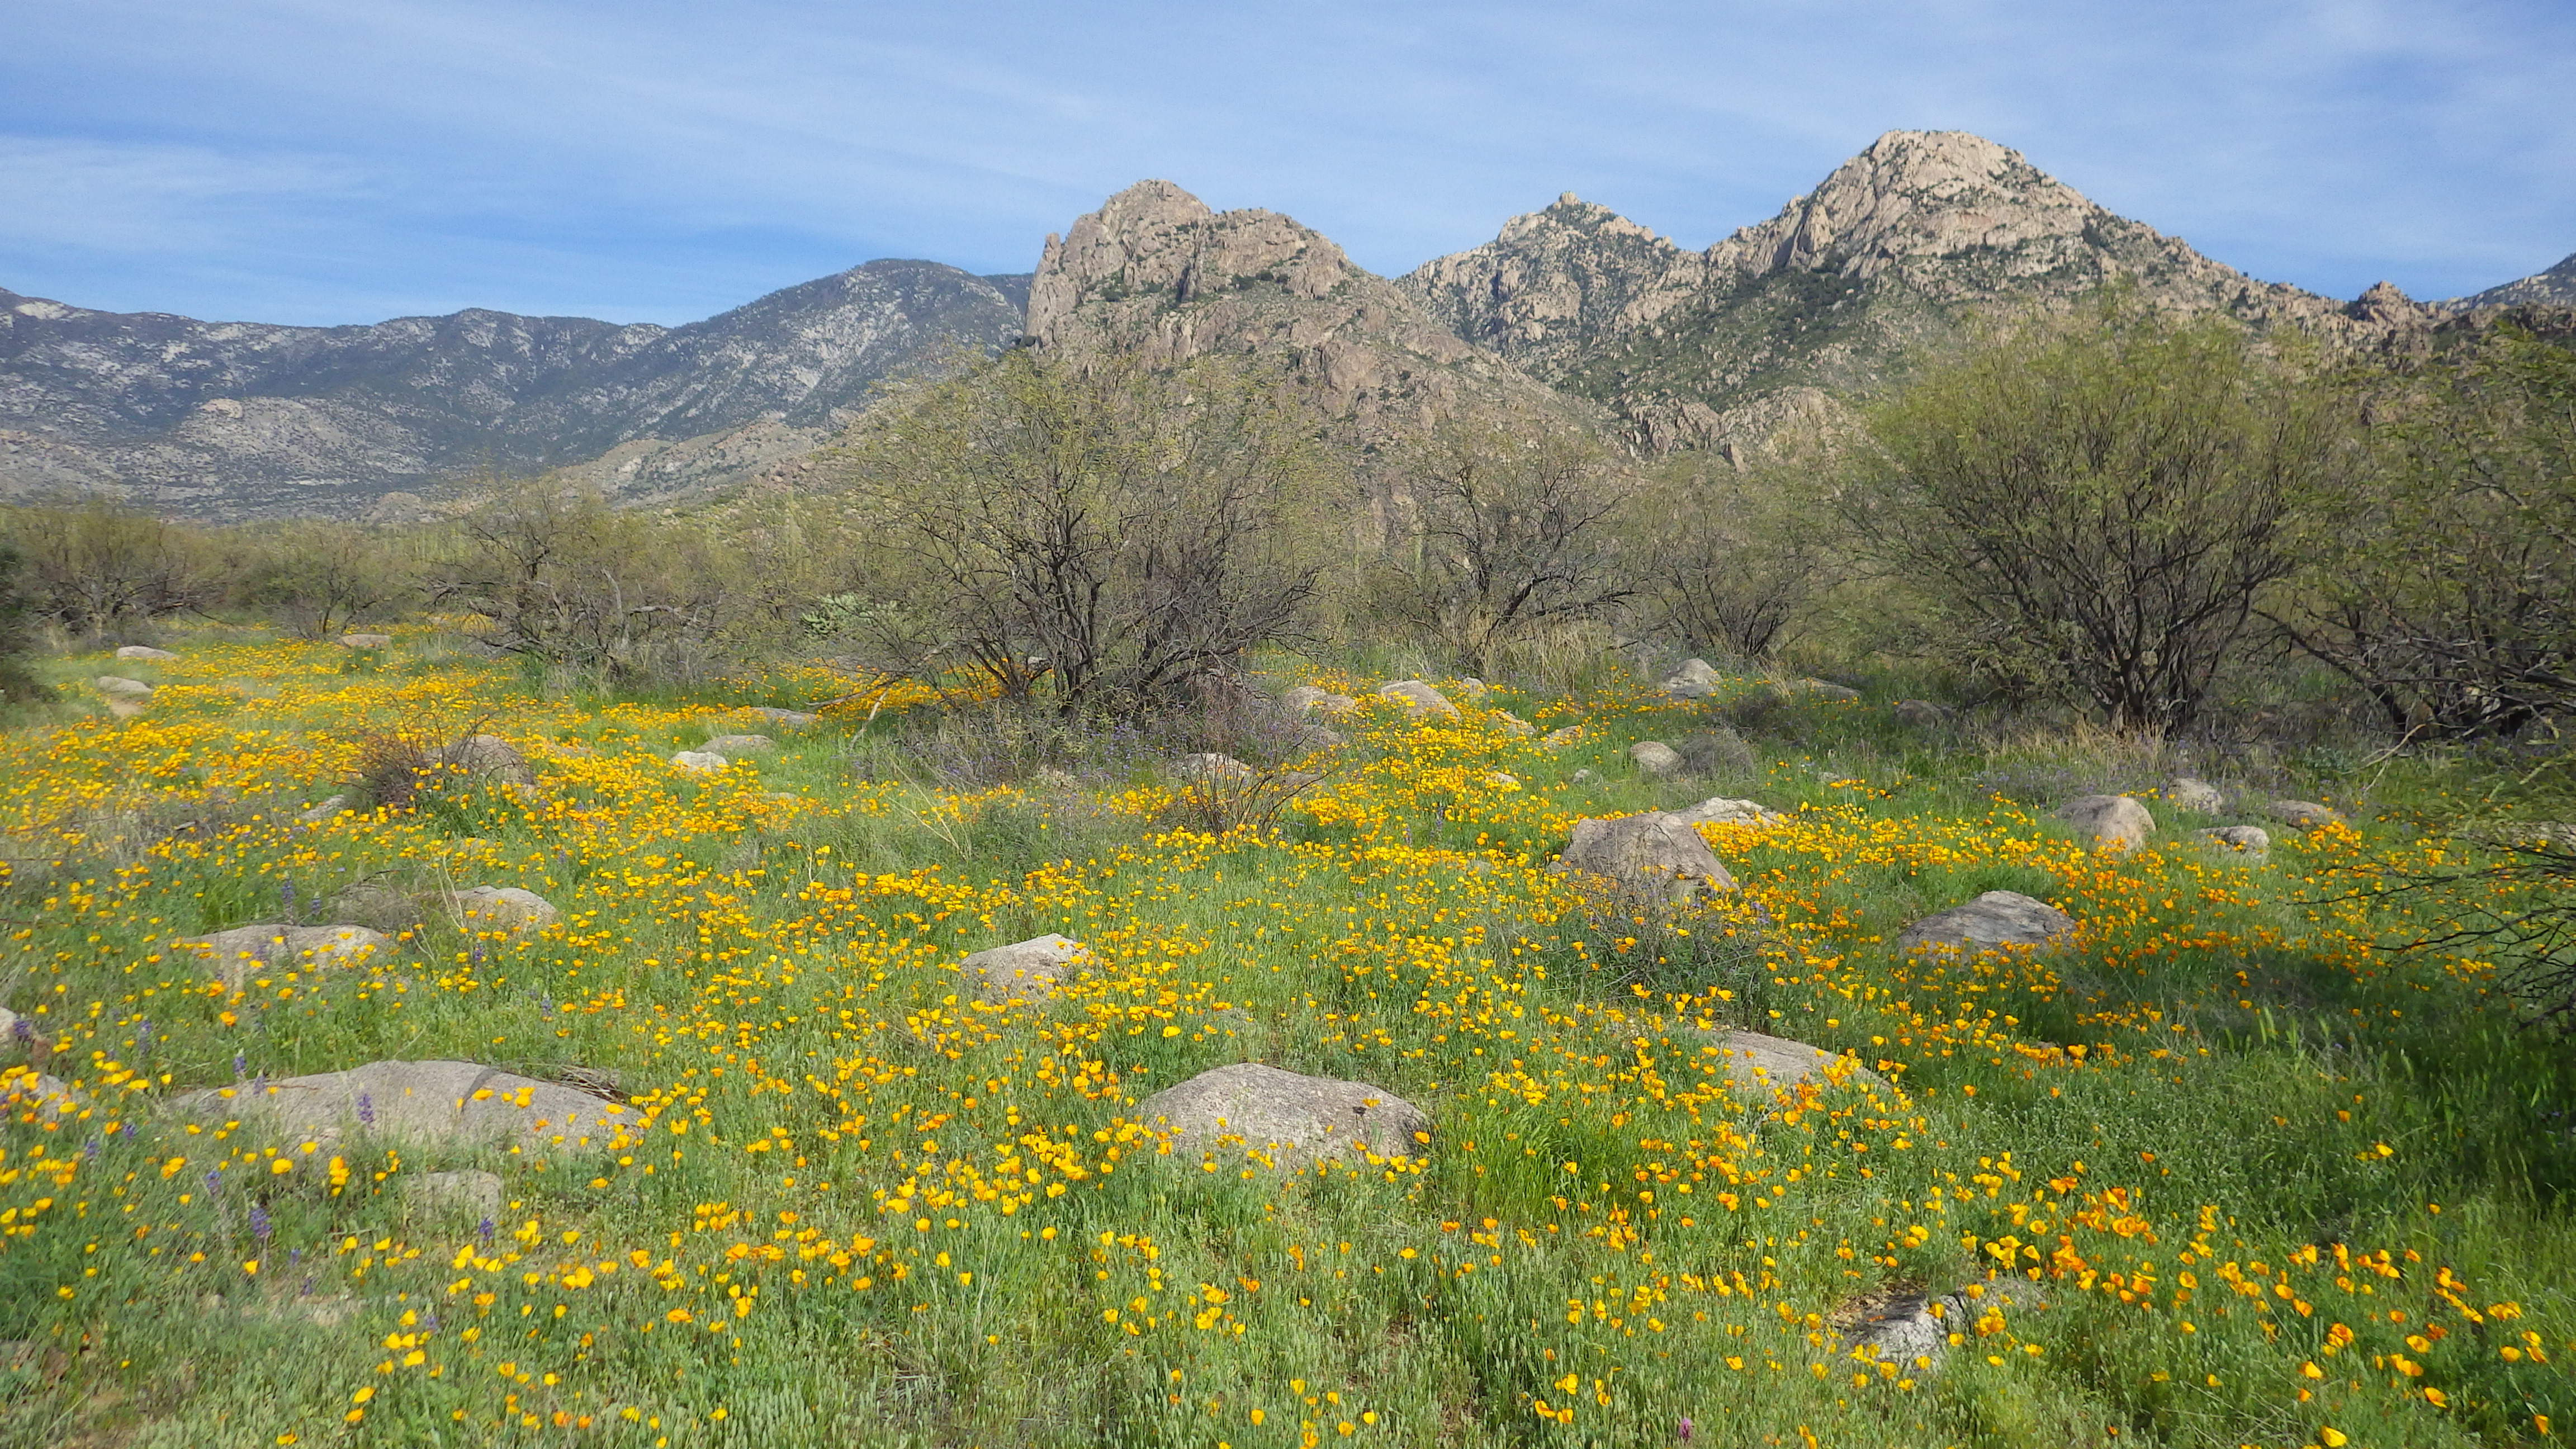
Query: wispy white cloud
point(657, 159)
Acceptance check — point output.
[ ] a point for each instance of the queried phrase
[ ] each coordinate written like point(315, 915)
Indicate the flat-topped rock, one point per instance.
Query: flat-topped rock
point(1291, 1120)
point(794, 719)
point(1306, 697)
point(236, 953)
point(1695, 679)
point(1821, 689)
point(327, 808)
point(1559, 738)
point(1474, 689)
point(502, 908)
point(119, 684)
point(700, 762)
point(2198, 796)
point(2110, 822)
point(740, 744)
point(1654, 852)
point(1997, 918)
point(1921, 713)
point(1030, 970)
point(489, 755)
point(1756, 1063)
point(1719, 810)
point(1513, 725)
point(2252, 840)
point(1419, 699)
point(366, 641)
point(437, 1102)
point(143, 651)
point(1655, 757)
point(2303, 814)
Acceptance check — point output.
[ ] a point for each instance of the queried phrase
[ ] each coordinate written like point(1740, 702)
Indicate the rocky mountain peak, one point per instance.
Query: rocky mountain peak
point(2555, 287)
point(1156, 239)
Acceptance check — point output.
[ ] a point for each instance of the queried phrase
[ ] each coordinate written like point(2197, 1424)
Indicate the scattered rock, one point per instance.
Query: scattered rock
point(1655, 757)
point(243, 949)
point(1514, 725)
point(794, 719)
point(1025, 971)
point(1721, 811)
point(740, 744)
point(503, 908)
point(1291, 1120)
point(2198, 796)
point(119, 684)
point(464, 1103)
point(490, 755)
point(24, 1089)
point(1758, 1063)
point(1696, 679)
point(1653, 851)
point(2251, 840)
point(1822, 690)
point(475, 1194)
point(700, 762)
point(1210, 766)
point(1474, 689)
point(366, 641)
point(1503, 780)
point(2303, 814)
point(324, 811)
point(1558, 739)
point(1716, 752)
point(144, 651)
point(1307, 697)
point(1419, 698)
point(1997, 918)
point(1904, 1329)
point(2115, 822)
point(1921, 713)
point(1582, 775)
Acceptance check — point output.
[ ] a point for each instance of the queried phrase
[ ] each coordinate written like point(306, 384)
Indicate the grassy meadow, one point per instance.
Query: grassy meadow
point(2273, 1182)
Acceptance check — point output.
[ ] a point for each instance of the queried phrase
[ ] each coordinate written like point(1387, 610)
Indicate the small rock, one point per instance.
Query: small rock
point(1419, 699)
point(1716, 752)
point(1921, 713)
point(366, 641)
point(1582, 775)
point(119, 684)
point(700, 762)
point(1209, 766)
point(324, 811)
point(1654, 852)
point(1025, 971)
point(243, 949)
point(1722, 811)
point(24, 1089)
point(465, 1194)
point(1291, 1120)
point(2303, 814)
point(1757, 1063)
point(1822, 690)
point(503, 908)
point(1655, 757)
point(144, 651)
point(2251, 840)
point(1474, 689)
point(1558, 739)
point(1503, 780)
point(2198, 796)
point(1696, 679)
point(465, 1103)
point(794, 719)
point(1997, 918)
point(1908, 1328)
point(740, 744)
point(2114, 822)
point(1307, 697)
point(489, 755)
point(1514, 725)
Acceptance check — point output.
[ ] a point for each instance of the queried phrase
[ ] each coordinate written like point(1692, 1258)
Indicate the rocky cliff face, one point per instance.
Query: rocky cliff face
point(1825, 300)
point(231, 420)
point(1156, 273)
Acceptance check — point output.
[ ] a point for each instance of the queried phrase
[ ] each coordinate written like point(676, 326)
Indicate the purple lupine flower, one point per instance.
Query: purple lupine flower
point(486, 1230)
point(240, 1065)
point(294, 1256)
point(286, 891)
point(129, 1131)
point(1686, 1429)
point(259, 1224)
point(89, 1150)
point(142, 1038)
point(214, 1184)
point(21, 1031)
point(366, 1110)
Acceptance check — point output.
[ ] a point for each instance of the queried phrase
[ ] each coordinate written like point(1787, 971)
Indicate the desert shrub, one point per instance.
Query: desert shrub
point(561, 578)
point(1733, 561)
point(104, 571)
point(318, 577)
point(18, 682)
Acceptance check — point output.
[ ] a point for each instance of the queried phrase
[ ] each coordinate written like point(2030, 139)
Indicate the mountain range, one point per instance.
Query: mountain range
point(1572, 313)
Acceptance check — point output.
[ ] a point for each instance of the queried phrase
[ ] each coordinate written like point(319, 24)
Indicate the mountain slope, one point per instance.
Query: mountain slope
point(1826, 299)
point(243, 419)
point(1156, 273)
point(2555, 287)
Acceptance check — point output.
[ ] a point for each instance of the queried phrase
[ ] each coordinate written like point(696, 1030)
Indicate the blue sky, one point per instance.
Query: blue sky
point(322, 161)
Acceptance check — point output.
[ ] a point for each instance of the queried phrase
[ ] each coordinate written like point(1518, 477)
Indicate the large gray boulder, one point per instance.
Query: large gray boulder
point(1696, 679)
point(699, 762)
point(119, 684)
point(463, 1104)
point(489, 755)
point(1720, 751)
point(2198, 796)
point(1655, 757)
point(1027, 970)
point(1755, 1063)
point(2303, 814)
point(1291, 1120)
point(236, 953)
point(144, 651)
point(1654, 853)
point(1721, 811)
point(2112, 822)
point(1419, 699)
point(1997, 918)
point(1911, 1327)
point(502, 908)
point(366, 641)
